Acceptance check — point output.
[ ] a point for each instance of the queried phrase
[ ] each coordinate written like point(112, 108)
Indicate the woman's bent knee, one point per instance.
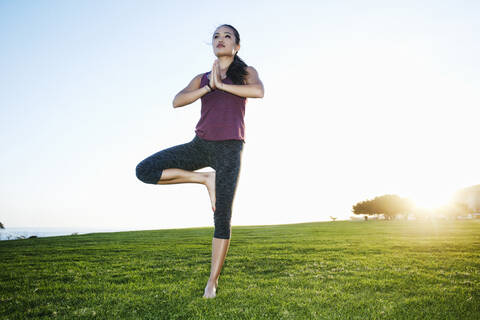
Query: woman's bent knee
point(147, 174)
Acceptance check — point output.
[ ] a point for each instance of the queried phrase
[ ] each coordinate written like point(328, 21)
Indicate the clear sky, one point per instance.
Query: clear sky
point(362, 98)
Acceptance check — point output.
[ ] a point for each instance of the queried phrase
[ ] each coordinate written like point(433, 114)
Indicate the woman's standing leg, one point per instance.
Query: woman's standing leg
point(227, 165)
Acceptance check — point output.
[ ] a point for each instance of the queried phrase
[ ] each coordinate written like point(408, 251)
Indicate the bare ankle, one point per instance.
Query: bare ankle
point(212, 283)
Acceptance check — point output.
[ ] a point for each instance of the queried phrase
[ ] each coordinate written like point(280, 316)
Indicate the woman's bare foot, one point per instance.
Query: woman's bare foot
point(211, 290)
point(210, 184)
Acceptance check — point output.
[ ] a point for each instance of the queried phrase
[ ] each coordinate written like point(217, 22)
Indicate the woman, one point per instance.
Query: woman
point(218, 141)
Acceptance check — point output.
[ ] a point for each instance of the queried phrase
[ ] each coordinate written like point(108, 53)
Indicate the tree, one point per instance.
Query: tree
point(1, 226)
point(389, 205)
point(363, 207)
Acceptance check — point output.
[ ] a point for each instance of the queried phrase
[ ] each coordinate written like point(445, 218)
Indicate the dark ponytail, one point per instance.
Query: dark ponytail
point(238, 68)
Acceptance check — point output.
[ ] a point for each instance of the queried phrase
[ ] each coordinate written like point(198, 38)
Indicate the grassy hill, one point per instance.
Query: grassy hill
point(325, 270)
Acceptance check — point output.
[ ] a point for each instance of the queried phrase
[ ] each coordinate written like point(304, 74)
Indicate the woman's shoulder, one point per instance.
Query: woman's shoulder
point(251, 70)
point(252, 75)
point(204, 75)
point(200, 77)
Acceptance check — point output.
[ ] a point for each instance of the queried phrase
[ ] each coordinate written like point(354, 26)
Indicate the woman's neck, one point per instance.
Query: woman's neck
point(225, 62)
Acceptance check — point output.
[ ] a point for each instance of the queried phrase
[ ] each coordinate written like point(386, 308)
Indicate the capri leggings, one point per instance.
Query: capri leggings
point(223, 156)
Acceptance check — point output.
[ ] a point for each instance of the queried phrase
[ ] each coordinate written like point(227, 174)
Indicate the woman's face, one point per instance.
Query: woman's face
point(224, 42)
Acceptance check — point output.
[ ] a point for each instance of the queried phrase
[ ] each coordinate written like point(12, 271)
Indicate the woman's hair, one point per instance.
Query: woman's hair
point(237, 69)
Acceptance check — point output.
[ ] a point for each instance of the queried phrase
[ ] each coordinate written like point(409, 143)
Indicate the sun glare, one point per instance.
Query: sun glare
point(431, 199)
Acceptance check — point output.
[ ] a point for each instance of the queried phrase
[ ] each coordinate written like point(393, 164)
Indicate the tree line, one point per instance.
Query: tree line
point(392, 205)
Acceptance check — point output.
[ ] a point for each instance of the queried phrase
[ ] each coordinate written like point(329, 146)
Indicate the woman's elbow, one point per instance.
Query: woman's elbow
point(175, 102)
point(260, 93)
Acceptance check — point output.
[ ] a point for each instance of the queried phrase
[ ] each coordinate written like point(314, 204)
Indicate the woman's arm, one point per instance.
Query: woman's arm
point(252, 89)
point(191, 92)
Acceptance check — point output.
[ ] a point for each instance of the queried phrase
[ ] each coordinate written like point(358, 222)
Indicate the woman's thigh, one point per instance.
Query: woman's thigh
point(188, 156)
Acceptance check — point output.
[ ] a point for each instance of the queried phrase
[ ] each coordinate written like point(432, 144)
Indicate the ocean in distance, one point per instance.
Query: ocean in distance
point(19, 233)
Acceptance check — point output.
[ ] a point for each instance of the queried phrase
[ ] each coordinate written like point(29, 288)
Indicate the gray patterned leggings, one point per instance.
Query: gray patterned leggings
point(223, 156)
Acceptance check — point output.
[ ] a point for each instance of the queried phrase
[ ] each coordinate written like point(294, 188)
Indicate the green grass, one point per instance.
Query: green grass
point(329, 270)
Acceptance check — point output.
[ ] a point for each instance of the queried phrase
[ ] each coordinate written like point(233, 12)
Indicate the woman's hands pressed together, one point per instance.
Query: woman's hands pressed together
point(215, 79)
point(253, 87)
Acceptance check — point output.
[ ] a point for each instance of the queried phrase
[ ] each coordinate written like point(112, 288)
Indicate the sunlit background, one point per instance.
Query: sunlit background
point(362, 98)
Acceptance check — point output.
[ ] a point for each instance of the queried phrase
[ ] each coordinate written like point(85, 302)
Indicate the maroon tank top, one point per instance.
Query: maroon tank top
point(222, 114)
